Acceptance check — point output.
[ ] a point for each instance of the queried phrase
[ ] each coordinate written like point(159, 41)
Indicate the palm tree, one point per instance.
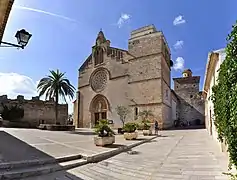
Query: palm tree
point(145, 114)
point(55, 85)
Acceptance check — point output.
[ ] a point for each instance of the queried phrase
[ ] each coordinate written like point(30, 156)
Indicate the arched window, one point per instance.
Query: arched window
point(99, 57)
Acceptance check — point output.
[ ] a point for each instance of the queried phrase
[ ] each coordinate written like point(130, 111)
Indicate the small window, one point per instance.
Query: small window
point(136, 112)
point(194, 85)
point(191, 96)
point(166, 94)
point(177, 87)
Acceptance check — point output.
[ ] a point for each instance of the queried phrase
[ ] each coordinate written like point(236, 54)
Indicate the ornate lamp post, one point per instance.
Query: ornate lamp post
point(22, 37)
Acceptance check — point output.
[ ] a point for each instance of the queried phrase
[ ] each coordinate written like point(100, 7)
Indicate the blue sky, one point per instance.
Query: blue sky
point(64, 32)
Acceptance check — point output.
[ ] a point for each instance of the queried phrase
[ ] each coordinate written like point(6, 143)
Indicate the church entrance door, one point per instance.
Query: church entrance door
point(99, 108)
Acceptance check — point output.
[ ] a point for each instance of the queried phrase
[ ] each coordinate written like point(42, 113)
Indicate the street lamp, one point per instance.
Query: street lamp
point(22, 37)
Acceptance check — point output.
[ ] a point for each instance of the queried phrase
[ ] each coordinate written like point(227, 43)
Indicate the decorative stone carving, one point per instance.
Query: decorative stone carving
point(99, 81)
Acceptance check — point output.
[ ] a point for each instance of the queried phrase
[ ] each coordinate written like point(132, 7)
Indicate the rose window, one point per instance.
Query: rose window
point(99, 81)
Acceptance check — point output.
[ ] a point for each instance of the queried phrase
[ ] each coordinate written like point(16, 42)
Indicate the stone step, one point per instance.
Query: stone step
point(20, 173)
point(36, 162)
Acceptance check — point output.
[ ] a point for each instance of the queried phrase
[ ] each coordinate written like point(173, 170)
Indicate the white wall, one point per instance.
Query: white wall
point(209, 108)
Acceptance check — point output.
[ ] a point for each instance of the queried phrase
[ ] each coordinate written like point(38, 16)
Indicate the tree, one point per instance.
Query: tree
point(54, 86)
point(12, 113)
point(145, 114)
point(122, 111)
point(224, 98)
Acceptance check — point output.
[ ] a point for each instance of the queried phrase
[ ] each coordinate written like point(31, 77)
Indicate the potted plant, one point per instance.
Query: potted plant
point(105, 135)
point(122, 111)
point(130, 131)
point(146, 128)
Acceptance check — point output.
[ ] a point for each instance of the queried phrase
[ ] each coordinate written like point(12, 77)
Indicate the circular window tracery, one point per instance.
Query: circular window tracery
point(99, 80)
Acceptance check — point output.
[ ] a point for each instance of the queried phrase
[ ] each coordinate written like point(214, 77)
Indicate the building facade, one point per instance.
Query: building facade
point(5, 9)
point(214, 61)
point(36, 111)
point(190, 99)
point(137, 78)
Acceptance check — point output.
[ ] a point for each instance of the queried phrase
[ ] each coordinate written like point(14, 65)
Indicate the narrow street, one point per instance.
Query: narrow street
point(180, 154)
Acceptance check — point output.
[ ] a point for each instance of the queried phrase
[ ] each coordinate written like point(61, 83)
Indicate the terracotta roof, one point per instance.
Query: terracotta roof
point(5, 9)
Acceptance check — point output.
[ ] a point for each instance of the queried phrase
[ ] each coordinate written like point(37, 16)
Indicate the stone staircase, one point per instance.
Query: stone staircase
point(24, 169)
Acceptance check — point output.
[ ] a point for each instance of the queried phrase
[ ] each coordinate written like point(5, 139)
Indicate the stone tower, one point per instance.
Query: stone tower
point(150, 72)
point(191, 100)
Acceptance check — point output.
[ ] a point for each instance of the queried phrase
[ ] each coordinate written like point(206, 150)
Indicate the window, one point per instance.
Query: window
point(191, 96)
point(194, 85)
point(135, 113)
point(177, 87)
point(166, 94)
point(99, 56)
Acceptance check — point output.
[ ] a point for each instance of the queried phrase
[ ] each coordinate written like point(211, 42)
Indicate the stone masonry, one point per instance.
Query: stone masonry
point(37, 111)
point(191, 103)
point(138, 78)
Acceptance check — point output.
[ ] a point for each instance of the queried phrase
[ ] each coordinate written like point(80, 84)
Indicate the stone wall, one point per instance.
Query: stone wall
point(192, 105)
point(37, 111)
point(135, 78)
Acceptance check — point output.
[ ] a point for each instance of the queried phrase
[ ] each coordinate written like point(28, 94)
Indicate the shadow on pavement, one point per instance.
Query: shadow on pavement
point(114, 146)
point(13, 149)
point(82, 132)
point(186, 128)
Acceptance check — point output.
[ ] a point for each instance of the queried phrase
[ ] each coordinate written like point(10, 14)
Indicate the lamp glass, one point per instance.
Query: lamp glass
point(23, 37)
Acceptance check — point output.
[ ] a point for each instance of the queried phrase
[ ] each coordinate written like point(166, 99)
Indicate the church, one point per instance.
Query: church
point(137, 78)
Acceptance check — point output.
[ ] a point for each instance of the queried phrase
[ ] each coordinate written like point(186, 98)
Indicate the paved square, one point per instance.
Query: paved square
point(28, 144)
point(176, 155)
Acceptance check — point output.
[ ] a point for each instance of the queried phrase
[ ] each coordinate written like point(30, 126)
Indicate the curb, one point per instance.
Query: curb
point(105, 155)
point(36, 162)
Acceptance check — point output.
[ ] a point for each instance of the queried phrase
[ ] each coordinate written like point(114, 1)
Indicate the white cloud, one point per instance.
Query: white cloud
point(45, 12)
point(179, 64)
point(123, 19)
point(179, 20)
point(178, 44)
point(13, 84)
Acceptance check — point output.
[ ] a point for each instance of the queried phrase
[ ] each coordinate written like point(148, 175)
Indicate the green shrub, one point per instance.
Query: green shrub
point(12, 113)
point(130, 127)
point(140, 126)
point(146, 125)
point(224, 98)
point(103, 129)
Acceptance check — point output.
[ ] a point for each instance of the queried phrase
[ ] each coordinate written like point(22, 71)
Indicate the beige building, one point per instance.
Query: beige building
point(214, 61)
point(138, 78)
point(36, 111)
point(5, 9)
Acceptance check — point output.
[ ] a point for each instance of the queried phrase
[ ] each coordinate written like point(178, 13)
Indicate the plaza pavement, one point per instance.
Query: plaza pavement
point(176, 155)
point(31, 144)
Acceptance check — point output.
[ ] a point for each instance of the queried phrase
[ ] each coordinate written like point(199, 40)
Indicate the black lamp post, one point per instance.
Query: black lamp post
point(22, 37)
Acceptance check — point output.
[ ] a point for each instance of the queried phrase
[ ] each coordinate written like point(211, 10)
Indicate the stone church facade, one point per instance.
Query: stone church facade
point(137, 78)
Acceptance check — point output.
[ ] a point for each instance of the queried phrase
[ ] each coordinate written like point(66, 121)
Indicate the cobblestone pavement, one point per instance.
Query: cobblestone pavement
point(175, 155)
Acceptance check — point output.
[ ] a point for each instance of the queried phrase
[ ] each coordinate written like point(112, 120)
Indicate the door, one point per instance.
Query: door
point(210, 123)
point(97, 118)
point(103, 115)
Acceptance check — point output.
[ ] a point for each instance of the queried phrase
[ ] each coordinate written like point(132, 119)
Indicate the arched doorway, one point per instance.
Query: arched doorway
point(99, 109)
